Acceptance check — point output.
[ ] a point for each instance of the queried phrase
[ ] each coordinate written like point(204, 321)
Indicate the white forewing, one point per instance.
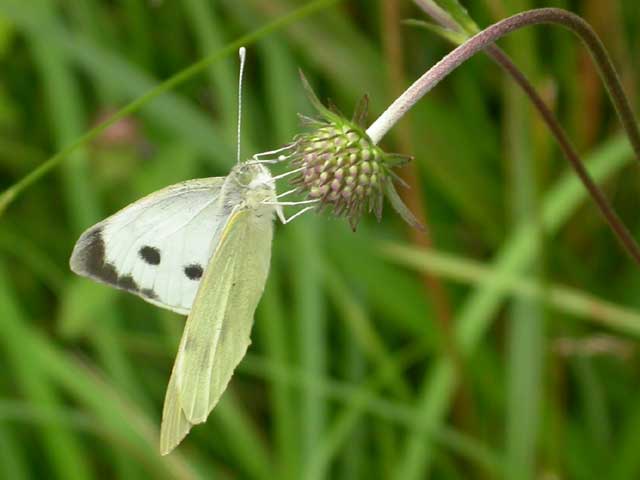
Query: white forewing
point(217, 332)
point(157, 247)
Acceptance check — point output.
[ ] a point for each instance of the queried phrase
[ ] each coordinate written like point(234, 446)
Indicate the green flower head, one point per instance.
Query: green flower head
point(341, 167)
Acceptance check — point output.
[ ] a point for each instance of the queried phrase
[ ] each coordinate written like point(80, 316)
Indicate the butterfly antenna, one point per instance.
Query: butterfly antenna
point(242, 53)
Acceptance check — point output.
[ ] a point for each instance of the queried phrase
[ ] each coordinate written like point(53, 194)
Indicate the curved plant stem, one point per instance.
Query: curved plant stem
point(491, 34)
point(572, 156)
point(484, 40)
point(12, 192)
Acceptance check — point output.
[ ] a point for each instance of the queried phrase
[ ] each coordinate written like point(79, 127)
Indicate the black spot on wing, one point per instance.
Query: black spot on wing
point(108, 273)
point(151, 255)
point(193, 271)
point(94, 258)
point(93, 254)
point(95, 264)
point(149, 293)
point(128, 283)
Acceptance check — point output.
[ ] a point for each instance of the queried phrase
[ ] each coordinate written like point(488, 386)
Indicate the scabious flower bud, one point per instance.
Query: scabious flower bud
point(342, 168)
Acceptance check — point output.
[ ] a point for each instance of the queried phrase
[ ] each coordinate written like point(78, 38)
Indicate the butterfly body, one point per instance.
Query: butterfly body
point(201, 248)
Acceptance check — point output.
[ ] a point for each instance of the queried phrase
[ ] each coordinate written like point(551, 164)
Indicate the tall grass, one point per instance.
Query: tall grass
point(348, 375)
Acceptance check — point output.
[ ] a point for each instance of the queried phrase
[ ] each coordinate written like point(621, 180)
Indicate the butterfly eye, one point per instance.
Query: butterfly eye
point(245, 175)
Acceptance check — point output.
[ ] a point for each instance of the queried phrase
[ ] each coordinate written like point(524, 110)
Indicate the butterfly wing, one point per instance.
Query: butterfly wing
point(217, 332)
point(175, 424)
point(158, 246)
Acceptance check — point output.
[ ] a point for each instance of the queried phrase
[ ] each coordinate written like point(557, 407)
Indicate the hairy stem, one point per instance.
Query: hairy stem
point(488, 36)
point(484, 41)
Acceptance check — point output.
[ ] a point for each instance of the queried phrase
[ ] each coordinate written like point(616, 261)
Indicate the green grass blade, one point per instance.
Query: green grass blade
point(272, 330)
point(28, 253)
point(281, 105)
point(64, 451)
point(310, 310)
point(12, 462)
point(460, 15)
point(139, 20)
point(625, 464)
point(585, 306)
point(130, 430)
point(208, 29)
point(362, 329)
point(596, 413)
point(364, 398)
point(67, 117)
point(476, 314)
point(526, 318)
point(243, 439)
point(354, 458)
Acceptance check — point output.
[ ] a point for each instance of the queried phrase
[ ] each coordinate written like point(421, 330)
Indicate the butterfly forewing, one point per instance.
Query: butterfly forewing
point(157, 247)
point(217, 332)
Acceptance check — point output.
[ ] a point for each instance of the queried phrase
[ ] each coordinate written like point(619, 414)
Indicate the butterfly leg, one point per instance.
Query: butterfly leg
point(270, 161)
point(289, 192)
point(295, 215)
point(290, 172)
point(283, 204)
point(280, 214)
point(257, 158)
point(272, 152)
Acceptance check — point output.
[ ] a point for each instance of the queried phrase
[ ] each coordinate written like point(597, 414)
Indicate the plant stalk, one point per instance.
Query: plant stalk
point(484, 41)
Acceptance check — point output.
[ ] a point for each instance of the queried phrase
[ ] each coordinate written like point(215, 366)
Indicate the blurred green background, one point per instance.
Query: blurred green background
point(502, 345)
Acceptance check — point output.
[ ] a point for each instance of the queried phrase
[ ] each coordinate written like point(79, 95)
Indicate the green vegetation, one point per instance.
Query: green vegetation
point(508, 349)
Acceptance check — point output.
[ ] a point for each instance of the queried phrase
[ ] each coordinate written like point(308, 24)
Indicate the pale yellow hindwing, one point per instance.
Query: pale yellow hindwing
point(217, 332)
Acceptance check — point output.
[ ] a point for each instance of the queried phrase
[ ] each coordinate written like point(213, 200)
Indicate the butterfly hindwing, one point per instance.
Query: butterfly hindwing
point(217, 332)
point(157, 247)
point(175, 425)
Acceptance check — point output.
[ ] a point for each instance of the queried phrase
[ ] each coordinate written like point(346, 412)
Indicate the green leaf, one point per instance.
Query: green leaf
point(460, 15)
point(399, 206)
point(456, 38)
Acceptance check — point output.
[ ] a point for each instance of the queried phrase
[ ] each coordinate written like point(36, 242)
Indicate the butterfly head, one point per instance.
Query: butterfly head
point(251, 184)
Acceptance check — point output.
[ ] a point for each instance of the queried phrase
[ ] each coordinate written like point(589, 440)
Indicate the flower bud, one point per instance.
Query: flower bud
point(340, 165)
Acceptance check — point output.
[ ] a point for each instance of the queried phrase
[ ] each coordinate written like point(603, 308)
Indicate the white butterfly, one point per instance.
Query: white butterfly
point(201, 248)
